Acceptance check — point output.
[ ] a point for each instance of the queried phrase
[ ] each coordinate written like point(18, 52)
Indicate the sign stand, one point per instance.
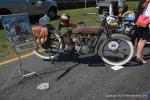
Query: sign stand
point(18, 29)
point(21, 72)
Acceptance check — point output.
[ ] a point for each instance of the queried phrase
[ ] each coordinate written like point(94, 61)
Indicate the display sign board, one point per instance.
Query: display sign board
point(18, 31)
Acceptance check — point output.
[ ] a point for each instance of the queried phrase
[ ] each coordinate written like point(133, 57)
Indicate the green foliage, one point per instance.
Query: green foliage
point(132, 5)
point(5, 48)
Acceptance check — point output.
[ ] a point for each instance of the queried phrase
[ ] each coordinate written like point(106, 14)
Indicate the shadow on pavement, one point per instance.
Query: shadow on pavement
point(92, 59)
point(133, 62)
point(67, 71)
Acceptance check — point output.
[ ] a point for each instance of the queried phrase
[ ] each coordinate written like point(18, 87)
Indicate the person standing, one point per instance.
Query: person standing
point(143, 33)
point(136, 36)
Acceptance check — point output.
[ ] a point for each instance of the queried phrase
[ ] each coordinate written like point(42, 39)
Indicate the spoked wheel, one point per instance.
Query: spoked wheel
point(116, 52)
point(52, 48)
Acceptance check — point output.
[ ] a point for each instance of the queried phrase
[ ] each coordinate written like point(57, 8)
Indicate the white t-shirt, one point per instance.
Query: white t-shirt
point(147, 11)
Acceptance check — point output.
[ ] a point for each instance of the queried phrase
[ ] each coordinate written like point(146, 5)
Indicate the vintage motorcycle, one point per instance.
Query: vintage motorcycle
point(81, 39)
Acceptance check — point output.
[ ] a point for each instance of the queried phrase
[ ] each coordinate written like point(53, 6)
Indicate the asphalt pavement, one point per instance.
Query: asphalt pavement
point(87, 78)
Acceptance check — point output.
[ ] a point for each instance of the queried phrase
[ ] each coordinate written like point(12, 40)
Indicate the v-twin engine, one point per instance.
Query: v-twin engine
point(83, 43)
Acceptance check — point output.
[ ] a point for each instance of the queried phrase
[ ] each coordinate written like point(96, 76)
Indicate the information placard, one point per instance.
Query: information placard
point(18, 31)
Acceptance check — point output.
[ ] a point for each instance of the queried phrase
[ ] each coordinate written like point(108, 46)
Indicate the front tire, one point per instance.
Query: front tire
point(119, 55)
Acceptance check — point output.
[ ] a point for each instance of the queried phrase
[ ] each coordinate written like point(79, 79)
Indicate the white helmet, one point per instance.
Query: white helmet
point(64, 17)
point(111, 19)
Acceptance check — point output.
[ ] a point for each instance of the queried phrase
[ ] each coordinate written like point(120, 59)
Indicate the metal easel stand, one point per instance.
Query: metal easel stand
point(21, 73)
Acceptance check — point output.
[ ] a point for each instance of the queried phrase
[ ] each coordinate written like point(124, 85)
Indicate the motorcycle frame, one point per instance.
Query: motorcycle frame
point(103, 23)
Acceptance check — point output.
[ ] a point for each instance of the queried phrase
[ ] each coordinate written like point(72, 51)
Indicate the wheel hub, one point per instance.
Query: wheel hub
point(113, 45)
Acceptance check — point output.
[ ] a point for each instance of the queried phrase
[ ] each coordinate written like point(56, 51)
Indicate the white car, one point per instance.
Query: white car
point(117, 6)
point(33, 7)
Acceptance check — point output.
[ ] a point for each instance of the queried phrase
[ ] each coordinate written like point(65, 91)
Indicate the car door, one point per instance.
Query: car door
point(37, 7)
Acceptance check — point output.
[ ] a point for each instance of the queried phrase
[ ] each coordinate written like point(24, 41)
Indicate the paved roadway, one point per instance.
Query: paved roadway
point(72, 79)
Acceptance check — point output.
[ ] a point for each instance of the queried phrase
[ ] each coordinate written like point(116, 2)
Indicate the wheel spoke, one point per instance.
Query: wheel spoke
point(53, 38)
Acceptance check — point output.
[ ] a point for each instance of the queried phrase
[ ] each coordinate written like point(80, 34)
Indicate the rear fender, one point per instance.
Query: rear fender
point(124, 36)
point(114, 35)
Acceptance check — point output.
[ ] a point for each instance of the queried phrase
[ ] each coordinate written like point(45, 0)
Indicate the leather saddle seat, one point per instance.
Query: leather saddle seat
point(87, 30)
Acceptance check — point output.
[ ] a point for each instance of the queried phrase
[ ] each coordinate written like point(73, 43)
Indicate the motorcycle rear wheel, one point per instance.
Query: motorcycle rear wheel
point(52, 48)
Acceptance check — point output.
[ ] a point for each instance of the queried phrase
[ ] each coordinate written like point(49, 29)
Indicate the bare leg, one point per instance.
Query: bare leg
point(140, 48)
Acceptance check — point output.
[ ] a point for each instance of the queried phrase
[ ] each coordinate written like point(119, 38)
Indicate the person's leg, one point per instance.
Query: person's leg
point(135, 37)
point(140, 48)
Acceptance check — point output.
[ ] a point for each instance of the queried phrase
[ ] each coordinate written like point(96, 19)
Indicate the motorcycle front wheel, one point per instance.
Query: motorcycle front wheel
point(52, 48)
point(118, 51)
